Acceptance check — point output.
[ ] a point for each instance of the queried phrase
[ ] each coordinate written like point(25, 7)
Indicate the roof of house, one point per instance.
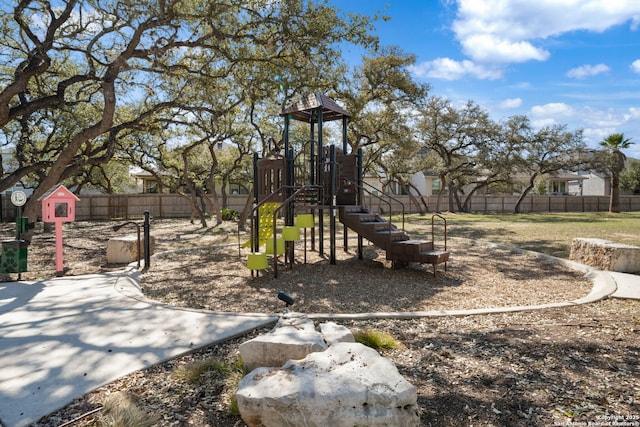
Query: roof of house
point(567, 176)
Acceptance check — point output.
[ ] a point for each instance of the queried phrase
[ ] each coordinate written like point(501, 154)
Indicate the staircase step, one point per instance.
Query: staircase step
point(408, 250)
point(391, 236)
point(377, 226)
point(362, 216)
point(433, 256)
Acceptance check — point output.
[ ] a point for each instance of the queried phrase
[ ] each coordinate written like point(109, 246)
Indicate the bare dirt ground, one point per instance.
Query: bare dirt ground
point(533, 368)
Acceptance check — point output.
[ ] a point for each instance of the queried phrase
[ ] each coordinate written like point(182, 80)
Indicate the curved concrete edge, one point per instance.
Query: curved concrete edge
point(604, 285)
point(128, 285)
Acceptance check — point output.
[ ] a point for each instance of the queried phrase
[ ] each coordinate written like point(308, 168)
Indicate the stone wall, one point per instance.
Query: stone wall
point(606, 255)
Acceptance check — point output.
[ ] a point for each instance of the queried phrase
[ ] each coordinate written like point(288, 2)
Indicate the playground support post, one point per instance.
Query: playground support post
point(345, 142)
point(147, 241)
point(333, 208)
point(320, 165)
point(255, 245)
point(19, 236)
point(312, 177)
point(359, 199)
point(290, 208)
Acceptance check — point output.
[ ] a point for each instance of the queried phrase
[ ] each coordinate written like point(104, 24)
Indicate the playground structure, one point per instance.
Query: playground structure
point(327, 182)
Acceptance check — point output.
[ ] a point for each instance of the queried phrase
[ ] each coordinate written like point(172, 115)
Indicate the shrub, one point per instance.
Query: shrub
point(378, 340)
point(239, 370)
point(198, 371)
point(229, 214)
point(121, 411)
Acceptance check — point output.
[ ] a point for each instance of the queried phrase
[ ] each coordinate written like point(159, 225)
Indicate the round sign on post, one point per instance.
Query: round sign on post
point(18, 198)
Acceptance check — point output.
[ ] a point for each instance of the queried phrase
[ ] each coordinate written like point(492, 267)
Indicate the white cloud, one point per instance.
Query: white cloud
point(635, 66)
point(587, 70)
point(552, 110)
point(603, 118)
point(633, 114)
point(550, 114)
point(490, 48)
point(508, 30)
point(579, 117)
point(510, 103)
point(540, 123)
point(449, 69)
point(595, 135)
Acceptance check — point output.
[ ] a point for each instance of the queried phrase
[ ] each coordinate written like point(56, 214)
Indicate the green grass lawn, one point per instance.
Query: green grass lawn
point(549, 233)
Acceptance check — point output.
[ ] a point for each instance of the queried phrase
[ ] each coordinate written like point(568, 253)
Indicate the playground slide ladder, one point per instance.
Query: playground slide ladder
point(266, 214)
point(398, 245)
point(265, 221)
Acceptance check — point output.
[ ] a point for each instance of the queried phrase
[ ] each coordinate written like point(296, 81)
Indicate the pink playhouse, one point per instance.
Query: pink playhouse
point(58, 206)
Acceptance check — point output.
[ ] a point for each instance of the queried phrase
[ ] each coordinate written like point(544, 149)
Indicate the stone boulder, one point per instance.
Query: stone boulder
point(347, 385)
point(124, 249)
point(334, 333)
point(606, 255)
point(293, 337)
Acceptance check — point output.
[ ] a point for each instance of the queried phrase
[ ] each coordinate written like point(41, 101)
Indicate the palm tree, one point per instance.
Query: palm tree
point(614, 160)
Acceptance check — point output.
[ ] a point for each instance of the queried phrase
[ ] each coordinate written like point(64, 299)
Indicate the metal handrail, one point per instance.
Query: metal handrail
point(286, 202)
point(381, 199)
point(433, 229)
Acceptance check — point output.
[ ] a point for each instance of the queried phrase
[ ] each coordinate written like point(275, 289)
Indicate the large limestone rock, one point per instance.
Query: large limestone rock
point(334, 333)
point(347, 385)
point(124, 249)
point(293, 337)
point(606, 255)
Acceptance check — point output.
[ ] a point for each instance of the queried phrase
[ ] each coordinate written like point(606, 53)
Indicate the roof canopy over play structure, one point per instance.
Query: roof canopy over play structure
point(304, 188)
point(316, 108)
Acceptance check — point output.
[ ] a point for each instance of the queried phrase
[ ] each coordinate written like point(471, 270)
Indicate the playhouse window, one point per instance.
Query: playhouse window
point(61, 210)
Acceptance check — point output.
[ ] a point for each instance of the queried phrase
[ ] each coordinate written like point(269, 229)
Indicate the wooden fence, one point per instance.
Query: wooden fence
point(126, 206)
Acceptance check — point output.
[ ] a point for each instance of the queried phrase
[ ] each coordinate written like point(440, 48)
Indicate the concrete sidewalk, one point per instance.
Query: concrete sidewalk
point(64, 337)
point(627, 285)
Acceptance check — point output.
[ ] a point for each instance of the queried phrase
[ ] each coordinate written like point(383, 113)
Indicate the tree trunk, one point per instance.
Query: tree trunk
point(55, 173)
point(244, 215)
point(452, 197)
point(526, 191)
point(215, 203)
point(223, 190)
point(407, 186)
point(466, 205)
point(614, 200)
point(422, 208)
point(195, 206)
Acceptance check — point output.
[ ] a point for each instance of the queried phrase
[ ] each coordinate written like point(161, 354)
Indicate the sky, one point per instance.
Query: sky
point(566, 62)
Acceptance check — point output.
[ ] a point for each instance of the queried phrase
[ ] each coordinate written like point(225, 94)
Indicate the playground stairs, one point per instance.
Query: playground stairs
point(398, 245)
